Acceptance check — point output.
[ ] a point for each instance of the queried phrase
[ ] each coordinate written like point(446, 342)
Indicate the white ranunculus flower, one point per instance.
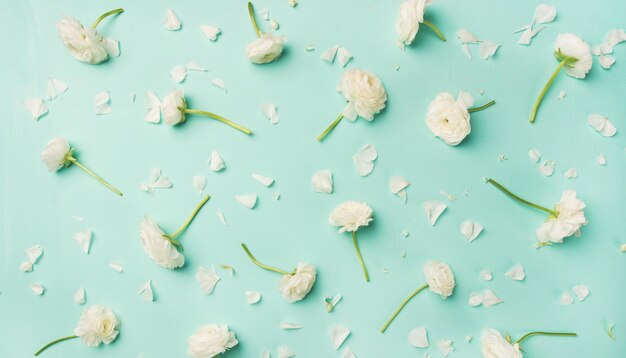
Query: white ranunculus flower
point(448, 118)
point(350, 216)
point(364, 92)
point(295, 287)
point(97, 325)
point(54, 155)
point(570, 218)
point(158, 247)
point(85, 43)
point(440, 278)
point(210, 341)
point(409, 18)
point(573, 47)
point(266, 48)
point(495, 346)
point(173, 107)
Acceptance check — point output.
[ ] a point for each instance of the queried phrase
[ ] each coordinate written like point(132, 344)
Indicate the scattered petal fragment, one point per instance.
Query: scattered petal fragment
point(601, 159)
point(145, 291)
point(338, 335)
point(207, 278)
point(253, 297)
point(331, 302)
point(220, 215)
point(192, 66)
point(178, 73)
point(219, 84)
point(418, 338)
point(397, 186)
point(322, 181)
point(34, 253)
point(265, 181)
point(534, 155)
point(216, 163)
point(153, 108)
point(156, 181)
point(248, 200)
point(83, 239)
point(37, 288)
point(329, 55)
point(211, 32)
point(199, 183)
point(475, 299)
point(544, 14)
point(490, 299)
point(172, 23)
point(571, 173)
point(434, 209)
point(269, 111)
point(290, 325)
point(445, 347)
point(285, 352)
point(26, 266)
point(581, 292)
point(566, 298)
point(101, 103)
point(364, 159)
point(602, 125)
point(54, 88)
point(486, 49)
point(343, 56)
point(547, 168)
point(347, 353)
point(516, 273)
point(36, 107)
point(486, 275)
point(79, 296)
point(117, 267)
point(471, 229)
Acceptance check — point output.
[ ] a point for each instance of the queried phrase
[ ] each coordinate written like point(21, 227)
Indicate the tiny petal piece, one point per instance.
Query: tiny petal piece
point(285, 352)
point(207, 278)
point(602, 125)
point(145, 291)
point(486, 275)
point(445, 347)
point(490, 299)
point(329, 55)
point(199, 183)
point(253, 297)
point(265, 181)
point(222, 217)
point(475, 299)
point(571, 173)
point(601, 159)
point(37, 288)
point(117, 267)
point(547, 168)
point(269, 111)
point(566, 298)
point(364, 159)
point(418, 338)
point(192, 66)
point(290, 325)
point(153, 108)
point(322, 181)
point(534, 155)
point(581, 292)
point(397, 184)
point(249, 200)
point(36, 107)
point(516, 273)
point(178, 73)
point(487, 49)
point(26, 266)
point(338, 334)
point(34, 253)
point(471, 229)
point(83, 239)
point(172, 23)
point(434, 209)
point(544, 14)
point(219, 84)
point(79, 296)
point(216, 163)
point(54, 88)
point(343, 56)
point(211, 32)
point(101, 103)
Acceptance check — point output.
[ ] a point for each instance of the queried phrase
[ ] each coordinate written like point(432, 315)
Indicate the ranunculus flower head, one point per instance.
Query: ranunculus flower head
point(173, 107)
point(350, 216)
point(575, 52)
point(54, 156)
point(448, 117)
point(410, 16)
point(364, 92)
point(211, 340)
point(97, 325)
point(159, 248)
point(266, 48)
point(439, 277)
point(495, 346)
point(570, 218)
point(295, 287)
point(85, 43)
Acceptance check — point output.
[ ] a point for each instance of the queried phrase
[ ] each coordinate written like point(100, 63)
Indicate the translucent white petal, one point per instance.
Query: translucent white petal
point(338, 334)
point(322, 181)
point(581, 292)
point(36, 107)
point(274, 24)
point(290, 325)
point(265, 181)
point(211, 32)
point(544, 14)
point(466, 37)
point(561, 96)
point(153, 108)
point(37, 288)
point(253, 297)
point(269, 111)
point(178, 73)
point(172, 23)
point(547, 168)
point(397, 183)
point(364, 158)
point(219, 84)
point(516, 273)
point(418, 338)
point(101, 103)
point(54, 88)
point(486, 275)
point(207, 279)
point(199, 182)
point(487, 49)
point(329, 55)
point(83, 239)
point(285, 352)
point(434, 209)
point(216, 163)
point(601, 159)
point(475, 299)
point(220, 215)
point(343, 56)
point(566, 298)
point(466, 51)
point(606, 61)
point(368, 152)
point(471, 229)
point(34, 253)
point(26, 266)
point(265, 14)
point(192, 66)
point(615, 37)
point(347, 353)
point(79, 296)
point(526, 37)
point(571, 173)
point(445, 347)
point(490, 299)
point(117, 267)
point(534, 155)
point(249, 200)
point(602, 125)
point(363, 167)
point(145, 291)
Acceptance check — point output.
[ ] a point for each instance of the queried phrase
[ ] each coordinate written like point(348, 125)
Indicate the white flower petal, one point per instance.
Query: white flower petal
point(253, 297)
point(368, 152)
point(475, 299)
point(466, 37)
point(547, 168)
point(220, 215)
point(602, 125)
point(265, 14)
point(347, 353)
point(615, 37)
point(216, 163)
point(434, 209)
point(54, 88)
point(290, 325)
point(445, 347)
point(581, 292)
point(601, 159)
point(466, 51)
point(211, 32)
point(274, 24)
point(490, 299)
point(219, 84)
point(192, 66)
point(486, 275)
point(37, 288)
point(207, 278)
point(265, 181)
point(418, 338)
point(571, 173)
point(561, 96)
point(534, 155)
point(172, 23)
point(285, 352)
point(156, 181)
point(526, 36)
point(36, 107)
point(266, 354)
point(606, 61)
point(249, 200)
point(343, 56)
point(516, 273)
point(34, 253)
point(79, 296)
point(471, 229)
point(329, 55)
point(338, 334)
point(101, 103)
point(322, 181)
point(269, 111)
point(487, 49)
point(153, 108)
point(26, 266)
point(178, 73)
point(397, 183)
point(199, 183)
point(117, 267)
point(566, 298)
point(544, 14)
point(145, 291)
point(83, 239)
point(364, 159)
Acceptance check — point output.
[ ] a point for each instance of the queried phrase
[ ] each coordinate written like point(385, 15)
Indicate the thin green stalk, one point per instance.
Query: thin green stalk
point(539, 333)
point(219, 118)
point(486, 105)
point(107, 14)
point(330, 128)
point(434, 28)
point(190, 218)
point(74, 161)
point(544, 90)
point(397, 311)
point(358, 253)
point(253, 20)
point(266, 267)
point(53, 343)
point(523, 201)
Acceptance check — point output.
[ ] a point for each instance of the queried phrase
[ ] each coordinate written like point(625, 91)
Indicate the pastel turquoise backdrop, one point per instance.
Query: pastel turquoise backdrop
point(37, 207)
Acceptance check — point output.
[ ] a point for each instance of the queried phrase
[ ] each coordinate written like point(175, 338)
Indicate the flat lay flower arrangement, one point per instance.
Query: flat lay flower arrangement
point(314, 179)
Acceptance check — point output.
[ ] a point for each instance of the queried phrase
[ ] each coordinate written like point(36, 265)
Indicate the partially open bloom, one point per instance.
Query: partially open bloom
point(267, 47)
point(85, 43)
point(410, 16)
point(350, 216)
point(210, 341)
point(568, 221)
point(495, 346)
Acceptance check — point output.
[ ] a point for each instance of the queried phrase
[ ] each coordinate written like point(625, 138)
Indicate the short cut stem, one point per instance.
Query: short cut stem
point(523, 201)
point(98, 178)
point(539, 333)
point(484, 106)
point(330, 128)
point(266, 267)
point(397, 311)
point(544, 90)
point(358, 253)
point(219, 118)
point(105, 15)
point(253, 19)
point(190, 218)
point(434, 28)
point(53, 343)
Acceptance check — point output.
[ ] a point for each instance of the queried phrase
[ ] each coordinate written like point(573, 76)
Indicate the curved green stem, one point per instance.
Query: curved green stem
point(219, 118)
point(544, 90)
point(397, 311)
point(269, 268)
point(105, 15)
point(253, 20)
point(330, 128)
point(358, 253)
point(486, 105)
point(523, 201)
point(434, 28)
point(539, 333)
point(190, 218)
point(73, 160)
point(53, 343)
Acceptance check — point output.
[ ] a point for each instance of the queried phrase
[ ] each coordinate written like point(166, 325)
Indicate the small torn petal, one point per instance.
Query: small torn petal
point(117, 267)
point(398, 183)
point(338, 334)
point(329, 55)
point(101, 103)
point(547, 168)
point(487, 49)
point(178, 73)
point(490, 299)
point(266, 354)
point(37, 288)
point(216, 163)
point(581, 292)
point(601, 159)
point(347, 353)
point(219, 84)
point(207, 279)
point(516, 273)
point(471, 229)
point(293, 3)
point(475, 299)
point(434, 209)
point(571, 173)
point(145, 291)
point(606, 61)
point(602, 125)
point(153, 108)
point(253, 297)
point(615, 37)
point(83, 239)
point(269, 111)
point(343, 56)
point(156, 181)
point(36, 107)
point(331, 302)
point(466, 37)
point(526, 36)
point(561, 96)
point(79, 296)
point(172, 23)
point(265, 14)
point(486, 275)
point(265, 181)
point(249, 200)
point(418, 338)
point(192, 66)
point(285, 352)
point(566, 298)
point(34, 253)
point(220, 215)
point(54, 88)
point(211, 32)
point(364, 159)
point(290, 325)
point(274, 24)
point(445, 347)
point(26, 266)
point(534, 155)
point(199, 183)
point(322, 181)
point(544, 14)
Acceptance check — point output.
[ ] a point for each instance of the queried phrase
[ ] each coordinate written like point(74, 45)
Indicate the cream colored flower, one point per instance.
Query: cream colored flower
point(350, 216)
point(575, 52)
point(295, 287)
point(410, 16)
point(97, 325)
point(440, 278)
point(173, 107)
point(364, 92)
point(266, 48)
point(210, 341)
point(448, 118)
point(495, 346)
point(158, 247)
point(570, 218)
point(54, 156)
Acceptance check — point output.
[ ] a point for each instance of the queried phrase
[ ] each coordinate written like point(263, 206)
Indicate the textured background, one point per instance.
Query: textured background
point(37, 206)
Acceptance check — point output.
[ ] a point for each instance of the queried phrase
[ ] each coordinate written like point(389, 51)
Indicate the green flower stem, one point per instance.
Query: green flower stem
point(53, 343)
point(190, 218)
point(330, 128)
point(253, 20)
point(434, 28)
point(107, 14)
point(545, 89)
point(358, 253)
point(486, 105)
point(539, 333)
point(269, 268)
point(397, 311)
point(73, 160)
point(219, 118)
point(523, 201)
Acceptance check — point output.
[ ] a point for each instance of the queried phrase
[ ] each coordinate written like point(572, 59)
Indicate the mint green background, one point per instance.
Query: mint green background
point(37, 206)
